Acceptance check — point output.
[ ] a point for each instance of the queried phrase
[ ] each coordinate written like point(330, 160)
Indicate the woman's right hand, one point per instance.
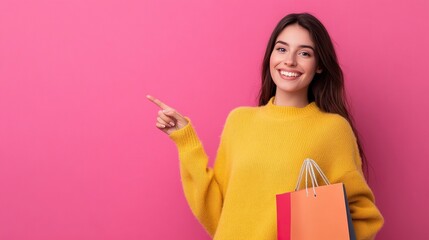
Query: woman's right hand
point(168, 120)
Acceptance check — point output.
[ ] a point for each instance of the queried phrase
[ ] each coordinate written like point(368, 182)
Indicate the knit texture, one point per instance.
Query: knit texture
point(260, 154)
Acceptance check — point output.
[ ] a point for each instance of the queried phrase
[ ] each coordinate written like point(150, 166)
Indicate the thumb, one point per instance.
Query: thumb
point(173, 113)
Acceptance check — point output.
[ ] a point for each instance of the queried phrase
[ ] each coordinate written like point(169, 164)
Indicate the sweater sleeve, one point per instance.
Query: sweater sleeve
point(347, 168)
point(203, 186)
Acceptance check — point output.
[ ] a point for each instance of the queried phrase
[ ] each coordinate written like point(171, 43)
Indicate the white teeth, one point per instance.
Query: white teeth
point(289, 74)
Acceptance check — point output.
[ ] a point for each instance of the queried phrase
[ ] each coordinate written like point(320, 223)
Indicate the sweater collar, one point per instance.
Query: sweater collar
point(287, 112)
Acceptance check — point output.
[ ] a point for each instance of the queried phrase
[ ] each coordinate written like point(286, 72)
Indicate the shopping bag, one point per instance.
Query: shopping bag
point(318, 213)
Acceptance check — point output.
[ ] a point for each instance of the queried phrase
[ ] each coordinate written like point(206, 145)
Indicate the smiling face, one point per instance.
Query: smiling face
point(293, 64)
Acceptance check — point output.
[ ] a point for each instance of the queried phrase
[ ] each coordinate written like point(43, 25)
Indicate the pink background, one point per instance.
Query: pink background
point(81, 158)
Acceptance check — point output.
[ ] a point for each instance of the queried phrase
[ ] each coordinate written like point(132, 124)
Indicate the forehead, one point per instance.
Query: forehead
point(295, 35)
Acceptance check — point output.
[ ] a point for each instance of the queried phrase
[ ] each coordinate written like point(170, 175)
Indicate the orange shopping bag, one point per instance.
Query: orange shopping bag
point(320, 213)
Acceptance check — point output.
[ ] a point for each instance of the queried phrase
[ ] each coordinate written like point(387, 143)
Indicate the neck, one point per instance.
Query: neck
point(292, 100)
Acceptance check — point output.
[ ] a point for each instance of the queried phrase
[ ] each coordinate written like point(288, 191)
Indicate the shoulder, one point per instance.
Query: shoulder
point(241, 113)
point(339, 128)
point(334, 127)
point(238, 116)
point(335, 121)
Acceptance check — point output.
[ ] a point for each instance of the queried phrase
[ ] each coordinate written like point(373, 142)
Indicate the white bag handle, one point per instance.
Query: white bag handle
point(309, 165)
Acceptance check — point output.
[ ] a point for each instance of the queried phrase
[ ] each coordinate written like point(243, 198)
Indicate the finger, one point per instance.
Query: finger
point(157, 102)
point(173, 113)
point(165, 118)
point(159, 125)
point(160, 120)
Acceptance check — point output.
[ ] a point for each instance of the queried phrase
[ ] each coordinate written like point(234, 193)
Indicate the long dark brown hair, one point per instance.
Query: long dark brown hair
point(327, 87)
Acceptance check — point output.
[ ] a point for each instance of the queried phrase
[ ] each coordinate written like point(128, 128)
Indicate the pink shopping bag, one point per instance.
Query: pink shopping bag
point(320, 212)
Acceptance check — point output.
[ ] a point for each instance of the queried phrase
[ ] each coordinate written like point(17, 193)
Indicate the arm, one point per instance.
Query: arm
point(367, 220)
point(203, 186)
point(347, 168)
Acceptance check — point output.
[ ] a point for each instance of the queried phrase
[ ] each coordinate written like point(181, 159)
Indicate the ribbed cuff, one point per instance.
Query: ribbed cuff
point(185, 137)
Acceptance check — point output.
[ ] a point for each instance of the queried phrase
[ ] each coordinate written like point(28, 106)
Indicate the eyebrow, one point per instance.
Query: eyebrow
point(301, 46)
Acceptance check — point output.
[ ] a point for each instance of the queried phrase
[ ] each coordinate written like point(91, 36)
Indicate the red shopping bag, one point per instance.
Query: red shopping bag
point(320, 212)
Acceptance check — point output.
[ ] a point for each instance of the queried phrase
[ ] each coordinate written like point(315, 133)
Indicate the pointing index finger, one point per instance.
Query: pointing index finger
point(157, 102)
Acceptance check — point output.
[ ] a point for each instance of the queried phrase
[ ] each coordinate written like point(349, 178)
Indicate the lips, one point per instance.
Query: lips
point(289, 75)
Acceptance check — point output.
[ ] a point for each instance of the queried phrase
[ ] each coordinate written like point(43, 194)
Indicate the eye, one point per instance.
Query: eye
point(305, 54)
point(280, 49)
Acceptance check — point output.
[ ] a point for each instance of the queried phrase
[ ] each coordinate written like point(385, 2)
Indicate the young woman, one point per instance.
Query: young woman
point(302, 114)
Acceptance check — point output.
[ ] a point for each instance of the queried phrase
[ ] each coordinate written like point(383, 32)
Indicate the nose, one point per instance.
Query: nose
point(289, 60)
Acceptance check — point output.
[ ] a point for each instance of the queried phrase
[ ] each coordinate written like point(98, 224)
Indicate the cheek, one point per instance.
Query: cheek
point(273, 64)
point(273, 61)
point(310, 66)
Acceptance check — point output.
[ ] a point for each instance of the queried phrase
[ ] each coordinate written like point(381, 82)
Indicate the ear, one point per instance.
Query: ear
point(319, 70)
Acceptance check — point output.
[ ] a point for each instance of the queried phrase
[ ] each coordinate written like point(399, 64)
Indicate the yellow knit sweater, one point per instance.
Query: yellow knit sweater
point(260, 154)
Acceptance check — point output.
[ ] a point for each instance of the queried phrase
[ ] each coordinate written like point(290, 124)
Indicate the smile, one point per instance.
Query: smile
point(289, 74)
